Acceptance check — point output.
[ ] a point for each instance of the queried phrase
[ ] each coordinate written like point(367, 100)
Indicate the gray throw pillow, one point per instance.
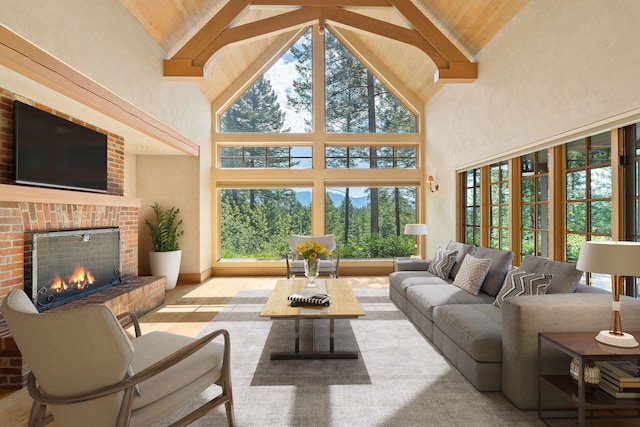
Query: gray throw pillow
point(472, 274)
point(519, 282)
point(500, 264)
point(442, 263)
point(565, 275)
point(463, 249)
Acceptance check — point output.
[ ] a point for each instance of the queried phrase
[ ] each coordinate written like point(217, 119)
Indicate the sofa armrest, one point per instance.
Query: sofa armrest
point(411, 264)
point(525, 316)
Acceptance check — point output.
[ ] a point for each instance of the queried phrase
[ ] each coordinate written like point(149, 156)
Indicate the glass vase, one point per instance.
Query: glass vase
point(311, 271)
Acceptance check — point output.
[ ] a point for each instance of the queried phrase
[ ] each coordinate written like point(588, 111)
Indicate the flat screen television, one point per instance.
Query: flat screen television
point(50, 151)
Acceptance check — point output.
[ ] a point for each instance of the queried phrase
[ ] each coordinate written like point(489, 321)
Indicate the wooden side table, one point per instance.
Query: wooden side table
point(583, 346)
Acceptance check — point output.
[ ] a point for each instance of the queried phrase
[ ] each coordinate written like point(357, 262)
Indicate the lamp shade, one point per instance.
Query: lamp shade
point(606, 257)
point(415, 229)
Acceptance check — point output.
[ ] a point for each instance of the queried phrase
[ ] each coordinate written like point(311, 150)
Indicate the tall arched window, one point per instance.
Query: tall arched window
point(316, 144)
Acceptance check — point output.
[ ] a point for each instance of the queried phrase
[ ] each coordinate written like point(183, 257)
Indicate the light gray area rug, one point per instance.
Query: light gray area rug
point(400, 379)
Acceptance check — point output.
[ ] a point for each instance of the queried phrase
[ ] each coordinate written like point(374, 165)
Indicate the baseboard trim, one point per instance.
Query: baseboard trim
point(194, 278)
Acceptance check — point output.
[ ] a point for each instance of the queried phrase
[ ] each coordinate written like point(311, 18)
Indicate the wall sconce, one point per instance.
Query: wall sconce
point(433, 185)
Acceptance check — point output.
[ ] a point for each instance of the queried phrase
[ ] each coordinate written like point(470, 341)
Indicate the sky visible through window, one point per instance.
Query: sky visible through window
point(281, 75)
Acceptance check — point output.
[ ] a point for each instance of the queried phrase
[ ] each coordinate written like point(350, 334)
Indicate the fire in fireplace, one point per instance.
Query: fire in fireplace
point(67, 265)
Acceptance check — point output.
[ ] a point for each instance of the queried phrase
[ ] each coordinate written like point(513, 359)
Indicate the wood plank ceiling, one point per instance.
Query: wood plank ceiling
point(423, 43)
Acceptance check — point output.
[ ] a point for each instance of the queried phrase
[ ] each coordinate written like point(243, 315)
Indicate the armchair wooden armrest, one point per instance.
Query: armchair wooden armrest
point(133, 318)
point(127, 384)
point(125, 379)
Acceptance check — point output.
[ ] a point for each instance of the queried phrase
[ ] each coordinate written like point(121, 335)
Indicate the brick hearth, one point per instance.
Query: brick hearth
point(139, 295)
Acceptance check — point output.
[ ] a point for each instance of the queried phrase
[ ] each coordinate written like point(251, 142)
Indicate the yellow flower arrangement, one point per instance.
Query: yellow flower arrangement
point(311, 250)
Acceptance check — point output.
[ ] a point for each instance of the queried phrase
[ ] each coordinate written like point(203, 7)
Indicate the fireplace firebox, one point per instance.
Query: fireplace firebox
point(68, 265)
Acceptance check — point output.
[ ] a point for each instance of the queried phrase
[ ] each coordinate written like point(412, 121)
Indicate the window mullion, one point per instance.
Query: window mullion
point(617, 186)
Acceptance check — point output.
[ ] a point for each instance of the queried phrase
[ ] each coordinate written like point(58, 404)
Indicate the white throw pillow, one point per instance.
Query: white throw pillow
point(443, 263)
point(519, 282)
point(472, 273)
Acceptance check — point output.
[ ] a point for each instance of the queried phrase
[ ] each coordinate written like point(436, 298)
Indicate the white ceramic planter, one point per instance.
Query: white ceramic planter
point(166, 264)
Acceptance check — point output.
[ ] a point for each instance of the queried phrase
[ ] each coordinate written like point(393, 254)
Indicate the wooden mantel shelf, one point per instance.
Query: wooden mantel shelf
point(19, 193)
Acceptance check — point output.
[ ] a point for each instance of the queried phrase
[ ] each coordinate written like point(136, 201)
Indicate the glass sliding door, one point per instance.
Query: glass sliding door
point(499, 205)
point(534, 204)
point(471, 203)
point(588, 192)
point(632, 194)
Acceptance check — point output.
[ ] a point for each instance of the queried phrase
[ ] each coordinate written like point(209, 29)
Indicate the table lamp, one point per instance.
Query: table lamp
point(619, 259)
point(415, 230)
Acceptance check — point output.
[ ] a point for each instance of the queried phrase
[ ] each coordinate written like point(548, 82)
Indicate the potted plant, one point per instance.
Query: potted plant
point(165, 257)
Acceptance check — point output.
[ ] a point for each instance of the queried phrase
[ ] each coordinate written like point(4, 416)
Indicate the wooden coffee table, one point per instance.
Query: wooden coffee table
point(344, 305)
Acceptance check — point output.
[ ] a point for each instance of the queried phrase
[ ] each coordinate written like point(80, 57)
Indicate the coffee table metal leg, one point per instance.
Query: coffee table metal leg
point(331, 354)
point(331, 335)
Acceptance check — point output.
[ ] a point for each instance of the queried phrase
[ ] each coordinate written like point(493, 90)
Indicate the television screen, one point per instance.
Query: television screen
point(50, 151)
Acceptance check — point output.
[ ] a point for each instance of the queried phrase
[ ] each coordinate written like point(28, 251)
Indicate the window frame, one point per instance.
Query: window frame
point(500, 185)
point(621, 169)
point(318, 177)
point(536, 204)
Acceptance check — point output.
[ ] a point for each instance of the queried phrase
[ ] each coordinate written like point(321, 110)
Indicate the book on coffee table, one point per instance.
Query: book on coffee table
point(309, 299)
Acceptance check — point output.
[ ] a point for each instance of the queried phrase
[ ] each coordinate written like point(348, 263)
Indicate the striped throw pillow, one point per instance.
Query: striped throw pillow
point(520, 282)
point(443, 263)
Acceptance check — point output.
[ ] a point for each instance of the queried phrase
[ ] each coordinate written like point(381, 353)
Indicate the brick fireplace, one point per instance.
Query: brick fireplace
point(62, 266)
point(28, 210)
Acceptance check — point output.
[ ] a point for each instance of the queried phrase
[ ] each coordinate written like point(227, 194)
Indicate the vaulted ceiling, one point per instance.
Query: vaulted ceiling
point(422, 43)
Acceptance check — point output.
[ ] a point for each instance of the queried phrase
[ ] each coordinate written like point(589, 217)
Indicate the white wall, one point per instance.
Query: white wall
point(171, 181)
point(558, 70)
point(102, 40)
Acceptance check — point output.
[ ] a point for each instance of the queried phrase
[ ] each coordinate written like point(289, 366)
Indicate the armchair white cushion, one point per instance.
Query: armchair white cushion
point(85, 367)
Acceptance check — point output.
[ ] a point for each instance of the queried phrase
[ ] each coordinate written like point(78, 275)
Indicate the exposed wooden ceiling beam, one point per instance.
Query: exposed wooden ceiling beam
point(385, 29)
point(453, 66)
point(212, 29)
point(428, 30)
point(459, 69)
point(457, 72)
point(262, 27)
point(338, 3)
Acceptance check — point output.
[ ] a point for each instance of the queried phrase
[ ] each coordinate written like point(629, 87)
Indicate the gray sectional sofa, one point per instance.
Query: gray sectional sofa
point(495, 346)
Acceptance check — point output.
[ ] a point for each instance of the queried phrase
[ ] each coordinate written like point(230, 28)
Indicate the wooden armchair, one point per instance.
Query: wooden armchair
point(295, 264)
point(90, 373)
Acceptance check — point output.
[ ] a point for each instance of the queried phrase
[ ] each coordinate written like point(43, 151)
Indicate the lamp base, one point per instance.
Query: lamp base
point(624, 340)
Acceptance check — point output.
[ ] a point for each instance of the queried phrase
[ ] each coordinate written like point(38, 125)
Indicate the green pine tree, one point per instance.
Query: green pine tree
point(257, 110)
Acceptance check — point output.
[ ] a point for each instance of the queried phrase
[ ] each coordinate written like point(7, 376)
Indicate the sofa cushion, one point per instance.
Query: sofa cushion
point(519, 282)
point(401, 280)
point(411, 264)
point(476, 329)
point(500, 264)
point(442, 263)
point(472, 274)
point(463, 249)
point(565, 275)
point(425, 298)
